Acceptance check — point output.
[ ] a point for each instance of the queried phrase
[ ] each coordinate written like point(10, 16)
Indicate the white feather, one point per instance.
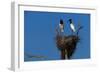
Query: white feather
point(61, 28)
point(72, 27)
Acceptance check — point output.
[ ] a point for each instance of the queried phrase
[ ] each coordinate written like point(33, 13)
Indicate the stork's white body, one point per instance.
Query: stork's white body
point(61, 27)
point(72, 27)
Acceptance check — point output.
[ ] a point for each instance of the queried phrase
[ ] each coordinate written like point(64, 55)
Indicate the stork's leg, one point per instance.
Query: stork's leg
point(66, 54)
point(63, 53)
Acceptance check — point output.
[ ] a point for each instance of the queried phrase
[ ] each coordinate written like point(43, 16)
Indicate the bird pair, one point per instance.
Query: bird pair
point(61, 25)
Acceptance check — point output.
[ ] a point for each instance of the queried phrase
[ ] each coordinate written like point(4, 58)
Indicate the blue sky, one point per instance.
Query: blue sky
point(39, 35)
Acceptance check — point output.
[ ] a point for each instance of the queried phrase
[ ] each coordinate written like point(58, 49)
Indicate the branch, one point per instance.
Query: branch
point(34, 56)
point(79, 29)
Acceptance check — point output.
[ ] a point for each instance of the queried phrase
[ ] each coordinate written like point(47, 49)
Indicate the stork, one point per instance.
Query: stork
point(61, 26)
point(72, 25)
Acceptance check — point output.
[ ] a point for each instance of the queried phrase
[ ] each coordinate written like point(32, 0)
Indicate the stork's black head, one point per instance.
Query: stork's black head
point(70, 20)
point(61, 21)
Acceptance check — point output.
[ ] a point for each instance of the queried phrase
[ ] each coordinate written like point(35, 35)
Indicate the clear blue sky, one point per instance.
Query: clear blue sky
point(39, 34)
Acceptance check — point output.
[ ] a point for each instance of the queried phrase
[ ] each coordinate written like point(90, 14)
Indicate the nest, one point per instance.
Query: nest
point(67, 45)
